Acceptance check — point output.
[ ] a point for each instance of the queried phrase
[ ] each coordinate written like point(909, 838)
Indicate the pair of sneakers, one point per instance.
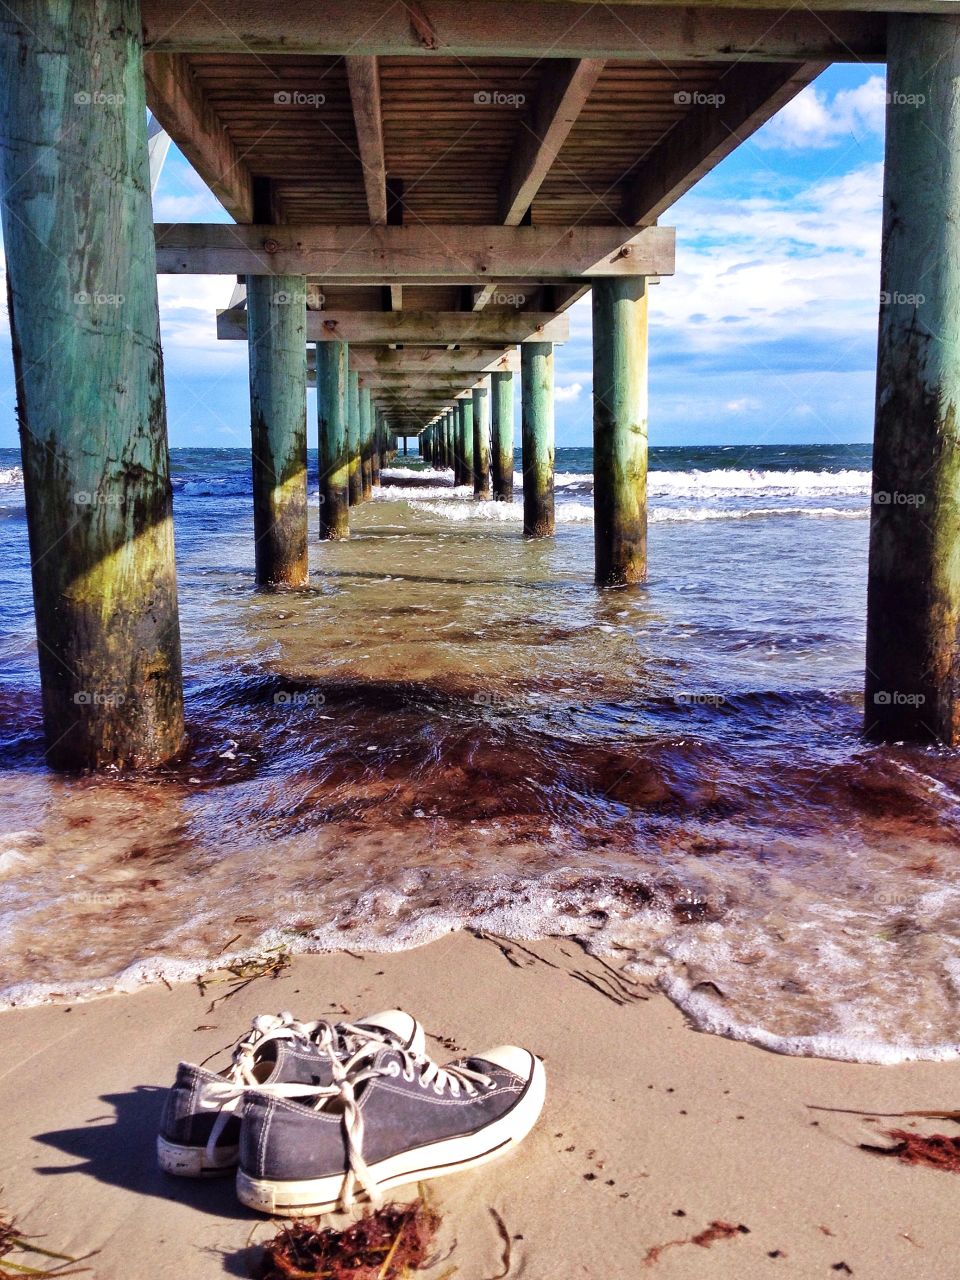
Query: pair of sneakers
point(313, 1114)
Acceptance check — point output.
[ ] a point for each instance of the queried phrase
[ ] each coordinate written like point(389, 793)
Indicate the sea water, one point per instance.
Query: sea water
point(454, 728)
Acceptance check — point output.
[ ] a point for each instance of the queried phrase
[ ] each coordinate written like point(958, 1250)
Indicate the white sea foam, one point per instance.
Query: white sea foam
point(11, 475)
point(582, 512)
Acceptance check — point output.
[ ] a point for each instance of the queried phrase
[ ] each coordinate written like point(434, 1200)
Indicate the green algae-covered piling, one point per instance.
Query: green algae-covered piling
point(465, 410)
point(78, 233)
point(620, 430)
point(501, 453)
point(481, 442)
point(537, 431)
point(333, 459)
point(276, 326)
point(913, 593)
point(366, 442)
point(353, 437)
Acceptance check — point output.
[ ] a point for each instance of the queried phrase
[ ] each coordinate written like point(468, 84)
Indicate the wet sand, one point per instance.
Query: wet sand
point(651, 1133)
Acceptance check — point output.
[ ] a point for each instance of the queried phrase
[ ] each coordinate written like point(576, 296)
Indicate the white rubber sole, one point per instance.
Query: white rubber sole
point(321, 1195)
point(193, 1162)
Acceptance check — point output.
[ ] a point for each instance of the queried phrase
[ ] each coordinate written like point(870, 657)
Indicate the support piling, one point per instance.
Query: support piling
point(620, 430)
point(277, 323)
point(501, 452)
point(912, 688)
point(537, 431)
point(78, 233)
point(481, 442)
point(333, 455)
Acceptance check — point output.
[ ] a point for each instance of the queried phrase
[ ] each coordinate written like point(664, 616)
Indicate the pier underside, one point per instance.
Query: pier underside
point(417, 190)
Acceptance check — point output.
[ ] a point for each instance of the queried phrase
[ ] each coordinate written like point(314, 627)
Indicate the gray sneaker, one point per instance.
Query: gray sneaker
point(200, 1126)
point(390, 1117)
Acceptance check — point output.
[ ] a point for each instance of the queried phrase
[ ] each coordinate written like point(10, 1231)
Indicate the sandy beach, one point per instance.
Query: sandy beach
point(652, 1131)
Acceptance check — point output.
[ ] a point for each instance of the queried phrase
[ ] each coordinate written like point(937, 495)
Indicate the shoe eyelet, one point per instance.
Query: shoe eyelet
point(408, 1076)
point(423, 1083)
point(455, 1090)
point(393, 1069)
point(438, 1088)
point(491, 1085)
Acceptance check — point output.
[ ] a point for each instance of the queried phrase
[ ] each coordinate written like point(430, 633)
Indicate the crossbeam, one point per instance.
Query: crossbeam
point(424, 361)
point(417, 328)
point(525, 28)
point(418, 252)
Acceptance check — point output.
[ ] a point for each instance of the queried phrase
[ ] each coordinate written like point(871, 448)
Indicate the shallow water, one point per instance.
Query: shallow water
point(453, 728)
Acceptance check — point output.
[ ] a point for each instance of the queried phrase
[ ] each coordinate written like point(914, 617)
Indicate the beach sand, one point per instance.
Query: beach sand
point(651, 1131)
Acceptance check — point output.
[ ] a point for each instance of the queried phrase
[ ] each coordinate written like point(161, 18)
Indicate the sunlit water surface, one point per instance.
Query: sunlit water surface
point(453, 728)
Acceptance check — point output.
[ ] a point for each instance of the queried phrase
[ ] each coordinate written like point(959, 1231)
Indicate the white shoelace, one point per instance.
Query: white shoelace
point(225, 1097)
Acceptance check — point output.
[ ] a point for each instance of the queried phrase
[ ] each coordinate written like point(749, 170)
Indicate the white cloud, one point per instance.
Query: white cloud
point(571, 392)
point(812, 119)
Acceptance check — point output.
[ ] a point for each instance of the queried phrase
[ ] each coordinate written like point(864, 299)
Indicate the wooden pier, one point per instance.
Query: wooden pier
point(421, 190)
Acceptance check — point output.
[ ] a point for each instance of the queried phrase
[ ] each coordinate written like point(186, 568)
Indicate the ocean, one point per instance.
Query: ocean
point(454, 728)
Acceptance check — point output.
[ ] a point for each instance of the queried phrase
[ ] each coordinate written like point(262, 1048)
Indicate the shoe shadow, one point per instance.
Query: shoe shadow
point(123, 1154)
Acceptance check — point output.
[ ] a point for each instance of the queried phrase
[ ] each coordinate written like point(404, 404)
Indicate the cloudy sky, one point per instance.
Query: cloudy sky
point(766, 334)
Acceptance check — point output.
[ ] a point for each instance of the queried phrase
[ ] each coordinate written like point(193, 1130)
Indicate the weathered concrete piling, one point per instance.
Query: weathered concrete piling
point(913, 595)
point(333, 457)
point(355, 470)
point(481, 442)
point(537, 438)
point(501, 453)
point(78, 233)
point(465, 410)
point(366, 443)
point(620, 430)
point(277, 319)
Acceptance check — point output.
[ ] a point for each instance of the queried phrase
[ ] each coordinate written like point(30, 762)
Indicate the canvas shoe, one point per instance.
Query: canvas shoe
point(200, 1126)
point(390, 1117)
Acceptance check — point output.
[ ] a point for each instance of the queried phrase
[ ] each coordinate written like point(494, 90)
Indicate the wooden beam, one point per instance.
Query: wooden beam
point(379, 254)
point(566, 85)
point(363, 76)
point(176, 100)
point(385, 362)
point(416, 328)
point(519, 28)
point(710, 131)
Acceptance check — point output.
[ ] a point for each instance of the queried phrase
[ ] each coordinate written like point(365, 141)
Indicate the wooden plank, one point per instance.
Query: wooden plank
point(712, 130)
point(564, 90)
point(177, 102)
point(416, 252)
point(519, 28)
point(416, 328)
point(387, 363)
point(364, 80)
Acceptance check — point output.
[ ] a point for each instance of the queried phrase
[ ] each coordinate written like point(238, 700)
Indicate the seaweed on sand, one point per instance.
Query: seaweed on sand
point(387, 1244)
point(934, 1152)
point(238, 975)
point(13, 1241)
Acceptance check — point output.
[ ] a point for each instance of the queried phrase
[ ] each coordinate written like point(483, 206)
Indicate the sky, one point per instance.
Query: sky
point(765, 335)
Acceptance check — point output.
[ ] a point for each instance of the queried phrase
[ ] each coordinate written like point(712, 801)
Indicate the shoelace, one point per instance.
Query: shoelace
point(225, 1097)
point(350, 1074)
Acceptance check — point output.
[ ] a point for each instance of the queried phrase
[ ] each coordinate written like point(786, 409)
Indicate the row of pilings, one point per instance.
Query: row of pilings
point(78, 226)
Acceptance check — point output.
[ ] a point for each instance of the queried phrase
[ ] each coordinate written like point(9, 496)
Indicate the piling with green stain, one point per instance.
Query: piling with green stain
point(276, 341)
point(366, 442)
point(501, 452)
point(333, 459)
point(82, 292)
point(620, 430)
point(537, 437)
point(353, 437)
point(465, 411)
point(375, 447)
point(481, 442)
point(913, 587)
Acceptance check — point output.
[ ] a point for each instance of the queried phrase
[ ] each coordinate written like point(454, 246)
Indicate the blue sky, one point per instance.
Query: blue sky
point(766, 334)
